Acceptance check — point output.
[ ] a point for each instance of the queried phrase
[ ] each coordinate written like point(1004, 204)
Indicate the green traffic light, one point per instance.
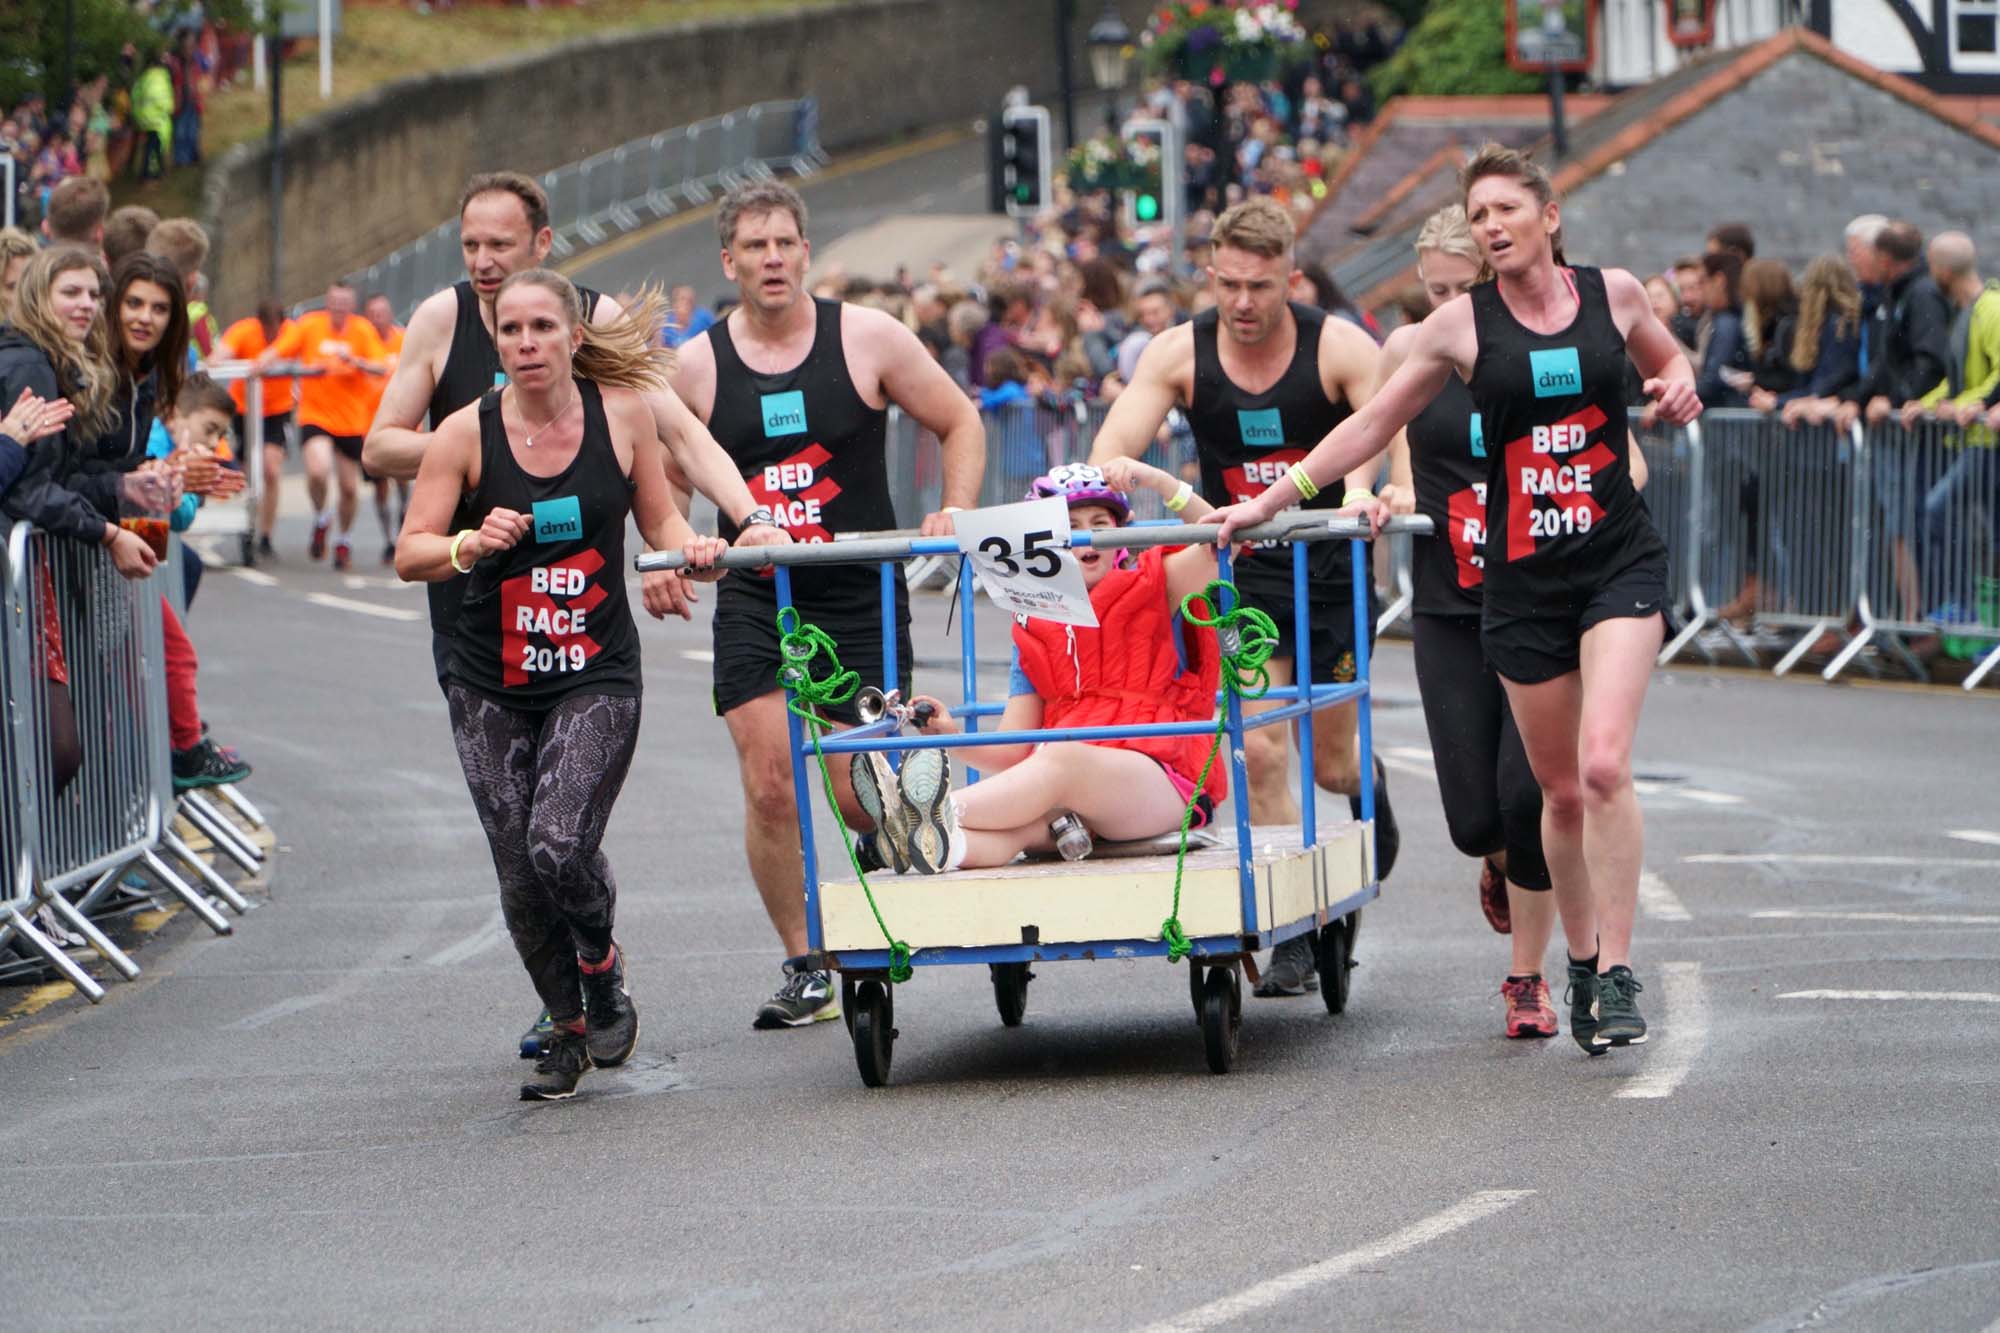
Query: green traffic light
point(1146, 207)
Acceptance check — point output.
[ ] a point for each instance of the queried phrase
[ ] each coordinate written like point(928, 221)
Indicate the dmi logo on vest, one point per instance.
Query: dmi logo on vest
point(1556, 373)
point(558, 520)
point(499, 379)
point(1478, 437)
point(1262, 429)
point(784, 414)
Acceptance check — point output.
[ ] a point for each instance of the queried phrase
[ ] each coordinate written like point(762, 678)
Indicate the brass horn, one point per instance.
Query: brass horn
point(871, 705)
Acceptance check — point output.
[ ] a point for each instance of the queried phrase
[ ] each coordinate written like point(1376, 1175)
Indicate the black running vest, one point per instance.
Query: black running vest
point(1559, 494)
point(811, 449)
point(471, 369)
point(1449, 466)
point(549, 617)
point(1245, 441)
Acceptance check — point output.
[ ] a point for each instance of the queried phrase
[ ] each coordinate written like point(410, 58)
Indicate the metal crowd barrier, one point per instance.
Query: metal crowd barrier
point(612, 192)
point(66, 851)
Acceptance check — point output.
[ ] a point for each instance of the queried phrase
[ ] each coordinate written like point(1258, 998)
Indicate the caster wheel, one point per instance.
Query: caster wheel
point(1336, 956)
point(1221, 1017)
point(1010, 991)
point(874, 1013)
point(1195, 973)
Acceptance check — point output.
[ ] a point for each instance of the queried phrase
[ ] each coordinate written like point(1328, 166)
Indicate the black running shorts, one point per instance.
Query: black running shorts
point(747, 657)
point(1531, 649)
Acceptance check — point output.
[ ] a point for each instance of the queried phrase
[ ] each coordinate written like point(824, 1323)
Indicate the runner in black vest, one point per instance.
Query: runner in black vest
point(1314, 372)
point(449, 360)
point(527, 494)
point(797, 390)
point(1575, 576)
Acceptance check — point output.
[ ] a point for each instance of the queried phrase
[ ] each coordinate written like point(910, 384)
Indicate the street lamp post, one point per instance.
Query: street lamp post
point(1554, 29)
point(1110, 47)
point(1065, 18)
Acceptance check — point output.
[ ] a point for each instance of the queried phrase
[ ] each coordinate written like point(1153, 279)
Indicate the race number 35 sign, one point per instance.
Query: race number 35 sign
point(1021, 554)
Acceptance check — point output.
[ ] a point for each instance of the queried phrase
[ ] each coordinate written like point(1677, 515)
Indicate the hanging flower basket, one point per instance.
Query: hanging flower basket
point(1105, 163)
point(1218, 41)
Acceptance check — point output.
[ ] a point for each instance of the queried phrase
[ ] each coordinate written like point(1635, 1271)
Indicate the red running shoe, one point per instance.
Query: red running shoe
point(1530, 1012)
point(318, 548)
point(1493, 898)
point(343, 554)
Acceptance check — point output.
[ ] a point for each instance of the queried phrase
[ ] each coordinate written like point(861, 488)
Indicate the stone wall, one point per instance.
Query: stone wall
point(371, 176)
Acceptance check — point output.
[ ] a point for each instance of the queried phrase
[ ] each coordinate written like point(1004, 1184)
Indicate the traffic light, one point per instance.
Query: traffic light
point(1026, 183)
point(1154, 147)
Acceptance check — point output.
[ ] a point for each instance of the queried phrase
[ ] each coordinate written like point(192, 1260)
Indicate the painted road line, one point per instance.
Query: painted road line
point(1900, 918)
point(1682, 1037)
point(1836, 859)
point(1412, 759)
point(255, 576)
point(1266, 1294)
point(363, 608)
point(478, 942)
point(1658, 901)
point(297, 1004)
point(1979, 835)
point(698, 654)
point(1939, 996)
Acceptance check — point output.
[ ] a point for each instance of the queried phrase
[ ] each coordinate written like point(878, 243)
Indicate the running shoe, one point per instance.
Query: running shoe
point(882, 801)
point(343, 554)
point(564, 1062)
point(1581, 997)
point(318, 548)
point(537, 1033)
point(1618, 1020)
point(1493, 897)
point(806, 997)
point(1388, 839)
point(203, 765)
point(264, 549)
point(928, 813)
point(1292, 970)
point(1530, 1011)
point(613, 1020)
point(868, 854)
point(388, 553)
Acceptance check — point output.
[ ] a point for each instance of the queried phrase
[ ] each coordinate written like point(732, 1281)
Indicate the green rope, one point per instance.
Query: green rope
point(799, 644)
point(1245, 638)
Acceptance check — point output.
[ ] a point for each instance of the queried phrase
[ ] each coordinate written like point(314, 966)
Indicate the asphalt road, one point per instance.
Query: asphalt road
point(314, 1124)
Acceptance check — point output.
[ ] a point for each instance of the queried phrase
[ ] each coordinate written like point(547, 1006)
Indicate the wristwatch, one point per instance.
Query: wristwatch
point(760, 515)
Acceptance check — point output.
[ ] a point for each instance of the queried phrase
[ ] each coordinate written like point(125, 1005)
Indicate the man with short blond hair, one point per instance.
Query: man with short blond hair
point(1261, 380)
point(75, 213)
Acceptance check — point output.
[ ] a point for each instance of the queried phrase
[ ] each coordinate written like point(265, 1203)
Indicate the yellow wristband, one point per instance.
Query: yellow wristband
point(457, 542)
point(1299, 479)
point(1356, 497)
point(1179, 499)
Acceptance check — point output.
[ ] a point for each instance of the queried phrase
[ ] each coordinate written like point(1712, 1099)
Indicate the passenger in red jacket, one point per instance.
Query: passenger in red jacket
point(1137, 666)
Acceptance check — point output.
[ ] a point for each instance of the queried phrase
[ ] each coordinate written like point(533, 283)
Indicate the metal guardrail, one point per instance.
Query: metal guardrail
point(615, 191)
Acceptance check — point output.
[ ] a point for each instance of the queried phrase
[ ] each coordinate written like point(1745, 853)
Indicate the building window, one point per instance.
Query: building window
point(1975, 35)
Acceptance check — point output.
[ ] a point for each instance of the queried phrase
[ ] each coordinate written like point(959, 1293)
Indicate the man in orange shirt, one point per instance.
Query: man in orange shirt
point(245, 340)
point(334, 408)
point(381, 316)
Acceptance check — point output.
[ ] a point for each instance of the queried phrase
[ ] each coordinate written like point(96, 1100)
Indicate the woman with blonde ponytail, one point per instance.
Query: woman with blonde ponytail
point(543, 683)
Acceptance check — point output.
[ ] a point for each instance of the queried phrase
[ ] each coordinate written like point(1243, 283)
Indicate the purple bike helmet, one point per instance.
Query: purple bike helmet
point(1081, 484)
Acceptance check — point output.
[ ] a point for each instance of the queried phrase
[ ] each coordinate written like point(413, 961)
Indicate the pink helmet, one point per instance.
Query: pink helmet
point(1081, 484)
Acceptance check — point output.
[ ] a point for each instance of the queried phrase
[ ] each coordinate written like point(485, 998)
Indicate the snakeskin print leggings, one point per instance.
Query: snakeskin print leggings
point(544, 784)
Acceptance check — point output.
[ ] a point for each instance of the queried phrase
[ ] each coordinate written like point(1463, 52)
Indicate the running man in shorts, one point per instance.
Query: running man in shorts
point(381, 316)
point(245, 340)
point(797, 389)
point(334, 407)
point(1575, 575)
point(1260, 379)
point(449, 360)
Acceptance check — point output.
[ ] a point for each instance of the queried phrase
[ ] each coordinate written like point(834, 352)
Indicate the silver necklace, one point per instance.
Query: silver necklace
point(530, 440)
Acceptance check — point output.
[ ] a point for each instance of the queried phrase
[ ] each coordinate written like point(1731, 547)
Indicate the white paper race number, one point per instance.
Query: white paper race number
point(1021, 554)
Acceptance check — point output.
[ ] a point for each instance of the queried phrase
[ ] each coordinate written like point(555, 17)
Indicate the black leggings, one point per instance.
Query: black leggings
point(544, 783)
point(1491, 800)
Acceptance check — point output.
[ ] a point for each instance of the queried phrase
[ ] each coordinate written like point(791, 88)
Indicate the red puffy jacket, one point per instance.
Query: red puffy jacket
point(1126, 670)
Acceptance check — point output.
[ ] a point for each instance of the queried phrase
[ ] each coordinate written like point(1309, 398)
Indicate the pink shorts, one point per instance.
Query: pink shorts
point(1204, 808)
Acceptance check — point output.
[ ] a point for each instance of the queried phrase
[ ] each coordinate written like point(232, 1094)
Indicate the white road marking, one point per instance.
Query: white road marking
point(1658, 901)
point(362, 582)
point(1702, 795)
point(256, 576)
point(297, 1004)
point(1266, 1294)
point(1909, 918)
point(363, 608)
point(1414, 759)
point(698, 654)
point(1682, 1037)
point(1941, 996)
point(1837, 859)
point(478, 942)
point(1978, 835)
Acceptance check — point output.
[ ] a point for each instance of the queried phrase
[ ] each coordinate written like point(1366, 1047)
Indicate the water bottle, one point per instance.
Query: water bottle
point(1071, 837)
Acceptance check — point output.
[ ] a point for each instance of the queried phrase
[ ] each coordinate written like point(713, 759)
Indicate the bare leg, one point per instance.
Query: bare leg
point(1120, 794)
point(381, 485)
point(1549, 715)
point(1268, 759)
point(350, 492)
point(1336, 749)
point(318, 452)
point(1533, 915)
point(1617, 659)
point(267, 500)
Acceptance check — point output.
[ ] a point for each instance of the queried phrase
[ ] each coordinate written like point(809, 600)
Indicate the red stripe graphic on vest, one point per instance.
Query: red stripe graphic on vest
point(1247, 480)
point(797, 492)
point(1558, 463)
point(545, 617)
point(1465, 520)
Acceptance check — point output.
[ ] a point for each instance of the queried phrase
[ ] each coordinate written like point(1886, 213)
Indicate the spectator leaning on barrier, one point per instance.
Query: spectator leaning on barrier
point(1826, 341)
point(1770, 321)
point(1723, 349)
point(1906, 340)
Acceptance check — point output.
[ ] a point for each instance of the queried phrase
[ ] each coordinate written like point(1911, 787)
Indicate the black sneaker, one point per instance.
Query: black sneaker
point(264, 551)
point(1388, 839)
point(564, 1062)
point(867, 853)
point(1292, 970)
point(1581, 997)
point(612, 1017)
point(204, 765)
point(1618, 1020)
point(537, 1033)
point(806, 997)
